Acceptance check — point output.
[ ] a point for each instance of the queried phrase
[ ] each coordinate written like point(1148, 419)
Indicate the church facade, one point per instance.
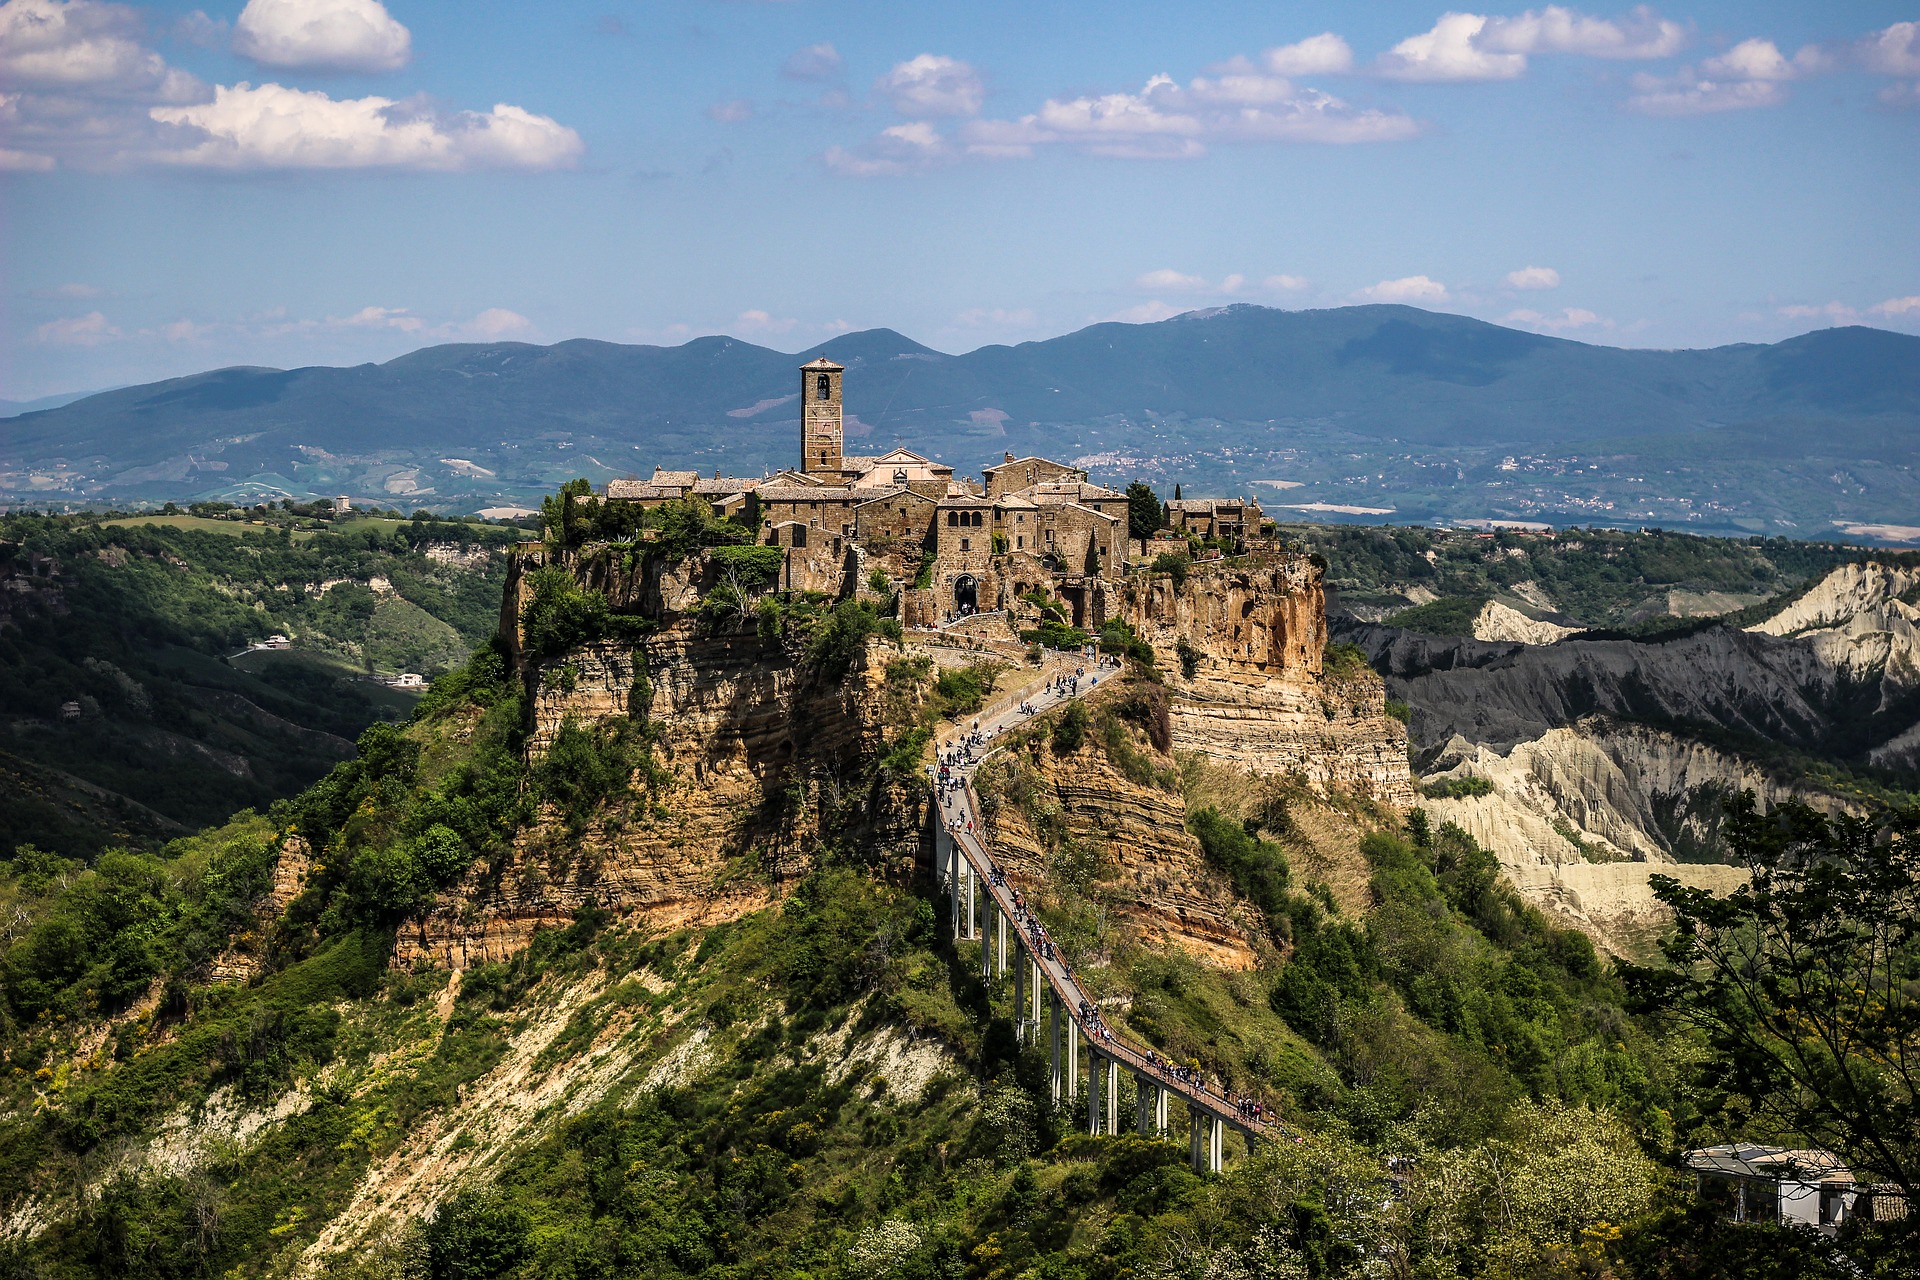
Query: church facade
point(953, 548)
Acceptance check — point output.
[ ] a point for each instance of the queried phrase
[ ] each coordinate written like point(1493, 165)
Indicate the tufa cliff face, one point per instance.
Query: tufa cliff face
point(757, 764)
point(1049, 810)
point(1241, 645)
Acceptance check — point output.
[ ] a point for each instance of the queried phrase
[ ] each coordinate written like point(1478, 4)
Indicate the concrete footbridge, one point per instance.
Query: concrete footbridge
point(1046, 997)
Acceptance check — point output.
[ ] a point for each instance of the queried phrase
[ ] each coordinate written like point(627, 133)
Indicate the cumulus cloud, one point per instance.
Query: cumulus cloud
point(903, 148)
point(1285, 284)
point(1322, 55)
point(757, 321)
point(85, 47)
point(732, 111)
point(498, 322)
point(89, 330)
point(1409, 289)
point(1908, 306)
point(77, 86)
point(1166, 120)
point(1844, 313)
point(1449, 52)
point(339, 35)
point(1690, 93)
point(12, 161)
point(276, 127)
point(1894, 51)
point(1558, 322)
point(933, 85)
point(816, 63)
point(1642, 33)
point(1167, 279)
point(1534, 278)
point(74, 289)
point(1472, 46)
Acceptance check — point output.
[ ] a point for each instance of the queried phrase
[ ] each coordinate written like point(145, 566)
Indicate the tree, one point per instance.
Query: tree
point(1145, 515)
point(1176, 493)
point(1806, 980)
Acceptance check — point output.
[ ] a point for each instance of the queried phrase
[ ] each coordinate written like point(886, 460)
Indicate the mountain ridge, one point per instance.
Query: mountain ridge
point(1380, 380)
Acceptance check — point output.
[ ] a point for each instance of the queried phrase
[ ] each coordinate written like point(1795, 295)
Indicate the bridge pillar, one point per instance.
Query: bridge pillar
point(1019, 993)
point(1005, 926)
point(1053, 1008)
point(1113, 1095)
point(1036, 983)
point(1195, 1156)
point(1094, 1075)
point(1073, 1059)
point(1160, 1126)
point(1216, 1133)
point(973, 927)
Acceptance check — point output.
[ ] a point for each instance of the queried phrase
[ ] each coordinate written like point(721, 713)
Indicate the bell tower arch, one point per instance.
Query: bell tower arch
point(821, 430)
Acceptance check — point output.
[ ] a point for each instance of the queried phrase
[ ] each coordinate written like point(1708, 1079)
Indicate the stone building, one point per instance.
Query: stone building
point(1033, 525)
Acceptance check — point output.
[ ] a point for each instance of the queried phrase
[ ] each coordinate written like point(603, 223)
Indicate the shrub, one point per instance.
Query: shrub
point(1070, 730)
point(1399, 710)
point(1055, 635)
point(843, 638)
point(1457, 788)
point(561, 616)
point(1189, 657)
point(1175, 563)
point(1343, 661)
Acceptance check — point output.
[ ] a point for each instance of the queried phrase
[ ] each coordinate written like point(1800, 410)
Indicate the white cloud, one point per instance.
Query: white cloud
point(1534, 278)
point(89, 330)
point(903, 148)
point(1167, 121)
point(1145, 313)
point(933, 85)
point(1322, 55)
point(1894, 51)
point(80, 45)
point(732, 111)
point(1905, 93)
point(1908, 306)
point(276, 127)
point(757, 321)
point(1554, 29)
point(12, 161)
point(1166, 279)
point(1449, 52)
point(343, 35)
point(816, 62)
point(1690, 94)
point(1761, 60)
point(1285, 284)
point(1569, 318)
point(1406, 289)
point(498, 322)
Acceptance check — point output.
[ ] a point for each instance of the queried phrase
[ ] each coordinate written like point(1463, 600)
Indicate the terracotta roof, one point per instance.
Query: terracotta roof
point(823, 365)
point(684, 479)
point(724, 485)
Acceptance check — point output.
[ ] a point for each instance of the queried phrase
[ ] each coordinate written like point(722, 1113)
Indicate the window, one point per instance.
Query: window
point(800, 536)
point(823, 388)
point(1019, 544)
point(900, 476)
point(979, 518)
point(966, 544)
point(953, 518)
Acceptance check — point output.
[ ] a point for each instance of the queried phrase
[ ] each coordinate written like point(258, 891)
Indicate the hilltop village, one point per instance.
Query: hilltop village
point(960, 548)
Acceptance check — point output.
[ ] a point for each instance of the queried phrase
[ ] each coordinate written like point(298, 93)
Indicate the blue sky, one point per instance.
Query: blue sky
point(290, 182)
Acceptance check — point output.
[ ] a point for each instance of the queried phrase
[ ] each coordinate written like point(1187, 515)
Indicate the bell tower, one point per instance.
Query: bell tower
point(820, 427)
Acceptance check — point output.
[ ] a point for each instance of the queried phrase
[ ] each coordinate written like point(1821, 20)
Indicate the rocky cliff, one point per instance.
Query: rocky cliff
point(757, 761)
point(1242, 647)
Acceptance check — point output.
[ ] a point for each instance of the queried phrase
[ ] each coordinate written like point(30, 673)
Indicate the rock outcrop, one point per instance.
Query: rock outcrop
point(1242, 644)
point(1503, 622)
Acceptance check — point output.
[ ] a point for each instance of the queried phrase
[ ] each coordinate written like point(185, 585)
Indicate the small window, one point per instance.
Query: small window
point(979, 518)
point(1020, 543)
point(823, 387)
point(953, 518)
point(900, 477)
point(966, 544)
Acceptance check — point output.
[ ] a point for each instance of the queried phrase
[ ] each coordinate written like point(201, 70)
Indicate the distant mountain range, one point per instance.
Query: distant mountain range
point(1375, 408)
